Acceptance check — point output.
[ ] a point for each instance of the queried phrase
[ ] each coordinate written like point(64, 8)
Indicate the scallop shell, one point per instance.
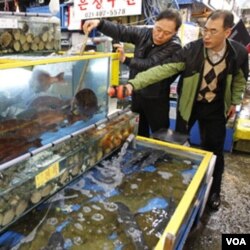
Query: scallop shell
point(5, 39)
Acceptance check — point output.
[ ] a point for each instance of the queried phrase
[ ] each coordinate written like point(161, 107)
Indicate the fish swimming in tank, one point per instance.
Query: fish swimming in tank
point(41, 80)
point(47, 102)
point(127, 220)
point(85, 103)
point(56, 241)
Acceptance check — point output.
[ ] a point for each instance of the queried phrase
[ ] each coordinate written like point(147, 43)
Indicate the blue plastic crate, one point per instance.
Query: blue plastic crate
point(41, 10)
point(195, 137)
point(195, 133)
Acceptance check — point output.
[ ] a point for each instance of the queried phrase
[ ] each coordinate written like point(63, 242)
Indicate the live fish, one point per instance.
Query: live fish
point(132, 230)
point(153, 157)
point(136, 159)
point(154, 203)
point(85, 103)
point(142, 159)
point(46, 102)
point(160, 223)
point(42, 80)
point(56, 242)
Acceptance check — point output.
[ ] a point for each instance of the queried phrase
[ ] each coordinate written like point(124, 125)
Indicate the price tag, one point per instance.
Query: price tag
point(48, 174)
point(8, 23)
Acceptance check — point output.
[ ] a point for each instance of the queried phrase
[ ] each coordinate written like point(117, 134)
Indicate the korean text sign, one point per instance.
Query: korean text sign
point(88, 9)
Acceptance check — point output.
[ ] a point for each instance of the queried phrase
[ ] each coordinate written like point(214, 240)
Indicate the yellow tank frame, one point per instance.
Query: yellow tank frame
point(242, 129)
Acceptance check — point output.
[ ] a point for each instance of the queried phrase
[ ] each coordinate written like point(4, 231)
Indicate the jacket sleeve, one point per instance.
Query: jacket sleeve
point(120, 32)
point(173, 66)
point(142, 64)
point(239, 81)
point(156, 74)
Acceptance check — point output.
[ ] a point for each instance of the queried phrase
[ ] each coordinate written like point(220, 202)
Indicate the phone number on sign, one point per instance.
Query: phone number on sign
point(104, 13)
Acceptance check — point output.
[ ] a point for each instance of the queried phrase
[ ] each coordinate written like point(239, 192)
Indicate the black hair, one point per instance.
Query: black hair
point(171, 14)
point(227, 16)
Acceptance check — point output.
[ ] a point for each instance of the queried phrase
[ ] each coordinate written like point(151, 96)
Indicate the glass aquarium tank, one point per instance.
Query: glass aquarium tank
point(42, 101)
point(29, 33)
point(29, 182)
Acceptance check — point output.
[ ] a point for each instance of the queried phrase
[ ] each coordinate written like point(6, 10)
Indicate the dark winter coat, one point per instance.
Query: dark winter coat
point(146, 54)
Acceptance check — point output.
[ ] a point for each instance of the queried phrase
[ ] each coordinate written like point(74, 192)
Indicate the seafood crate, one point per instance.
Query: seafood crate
point(29, 33)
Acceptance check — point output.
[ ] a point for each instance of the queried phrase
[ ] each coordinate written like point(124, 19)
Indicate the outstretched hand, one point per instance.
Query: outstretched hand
point(89, 25)
point(120, 91)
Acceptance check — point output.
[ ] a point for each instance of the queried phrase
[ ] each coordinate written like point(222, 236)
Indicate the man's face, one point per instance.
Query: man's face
point(214, 34)
point(163, 31)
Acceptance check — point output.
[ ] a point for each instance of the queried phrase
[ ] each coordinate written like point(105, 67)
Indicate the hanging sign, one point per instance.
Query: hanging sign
point(88, 9)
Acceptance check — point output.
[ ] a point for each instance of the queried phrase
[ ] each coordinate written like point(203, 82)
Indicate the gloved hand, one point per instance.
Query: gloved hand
point(120, 91)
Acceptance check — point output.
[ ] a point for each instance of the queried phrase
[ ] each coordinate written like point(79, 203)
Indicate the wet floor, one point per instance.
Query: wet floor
point(234, 213)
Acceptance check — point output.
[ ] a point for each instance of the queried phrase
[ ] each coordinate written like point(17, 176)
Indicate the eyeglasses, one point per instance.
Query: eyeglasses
point(211, 32)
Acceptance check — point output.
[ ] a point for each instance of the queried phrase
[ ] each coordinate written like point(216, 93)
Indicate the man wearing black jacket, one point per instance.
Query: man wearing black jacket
point(152, 47)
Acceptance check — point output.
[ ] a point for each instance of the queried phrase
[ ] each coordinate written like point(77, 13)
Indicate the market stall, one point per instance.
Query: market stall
point(70, 167)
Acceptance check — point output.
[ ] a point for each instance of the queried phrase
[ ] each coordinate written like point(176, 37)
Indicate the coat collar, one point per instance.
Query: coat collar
point(230, 49)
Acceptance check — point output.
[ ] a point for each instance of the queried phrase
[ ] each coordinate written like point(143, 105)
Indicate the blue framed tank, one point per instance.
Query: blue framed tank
point(146, 195)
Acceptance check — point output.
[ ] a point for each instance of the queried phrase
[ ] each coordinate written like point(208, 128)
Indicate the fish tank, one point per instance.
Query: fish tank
point(48, 110)
point(141, 196)
point(42, 101)
point(29, 33)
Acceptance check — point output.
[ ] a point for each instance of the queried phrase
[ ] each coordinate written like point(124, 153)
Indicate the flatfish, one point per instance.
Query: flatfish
point(41, 80)
point(47, 102)
point(127, 220)
point(56, 241)
point(86, 102)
